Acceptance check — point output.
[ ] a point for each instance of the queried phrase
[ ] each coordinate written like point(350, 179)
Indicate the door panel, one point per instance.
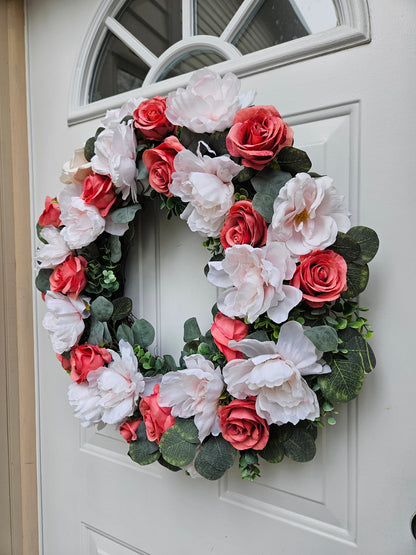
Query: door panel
point(358, 494)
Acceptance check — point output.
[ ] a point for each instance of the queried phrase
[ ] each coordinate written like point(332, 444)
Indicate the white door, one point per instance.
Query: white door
point(353, 111)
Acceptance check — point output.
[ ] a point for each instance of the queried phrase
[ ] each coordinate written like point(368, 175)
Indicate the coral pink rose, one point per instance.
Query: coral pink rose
point(223, 330)
point(242, 426)
point(321, 276)
point(157, 419)
point(244, 225)
point(257, 135)
point(69, 276)
point(51, 214)
point(98, 190)
point(159, 162)
point(129, 428)
point(85, 358)
point(151, 121)
point(66, 365)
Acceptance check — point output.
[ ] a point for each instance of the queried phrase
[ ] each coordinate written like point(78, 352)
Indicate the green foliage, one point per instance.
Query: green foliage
point(368, 241)
point(270, 181)
point(143, 332)
point(344, 381)
point(42, 280)
point(248, 465)
point(38, 230)
point(191, 330)
point(293, 160)
point(96, 335)
point(125, 214)
point(215, 457)
point(274, 451)
point(347, 247)
point(324, 338)
point(122, 308)
point(169, 363)
point(115, 249)
point(142, 451)
point(300, 447)
point(102, 309)
point(125, 332)
point(190, 140)
point(245, 175)
point(217, 142)
point(263, 203)
point(89, 148)
point(357, 349)
point(179, 442)
point(357, 279)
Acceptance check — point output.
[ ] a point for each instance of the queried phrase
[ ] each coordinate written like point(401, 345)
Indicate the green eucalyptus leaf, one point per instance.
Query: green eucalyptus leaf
point(38, 230)
point(106, 333)
point(170, 467)
point(217, 142)
point(42, 280)
point(126, 214)
point(143, 332)
point(175, 448)
point(122, 308)
point(368, 240)
point(274, 451)
point(215, 457)
point(115, 248)
point(204, 349)
point(293, 160)
point(187, 429)
point(357, 279)
point(190, 140)
point(246, 174)
point(143, 451)
point(346, 246)
point(259, 335)
point(124, 332)
point(96, 336)
point(169, 363)
point(324, 338)
point(344, 381)
point(102, 309)
point(270, 181)
point(89, 149)
point(300, 447)
point(191, 330)
point(263, 203)
point(358, 350)
point(142, 171)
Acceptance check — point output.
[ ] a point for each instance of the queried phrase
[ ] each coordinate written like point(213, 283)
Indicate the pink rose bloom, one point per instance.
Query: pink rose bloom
point(98, 190)
point(129, 428)
point(50, 216)
point(242, 426)
point(150, 119)
point(244, 225)
point(223, 330)
point(257, 135)
point(308, 213)
point(159, 162)
point(66, 365)
point(54, 251)
point(157, 419)
point(253, 278)
point(85, 358)
point(69, 276)
point(321, 276)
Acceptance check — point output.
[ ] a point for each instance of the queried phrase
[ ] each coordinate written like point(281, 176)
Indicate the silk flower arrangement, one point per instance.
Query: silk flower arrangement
point(288, 341)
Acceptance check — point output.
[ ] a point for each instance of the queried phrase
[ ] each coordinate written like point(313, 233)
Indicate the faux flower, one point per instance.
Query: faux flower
point(254, 281)
point(157, 419)
point(69, 276)
point(321, 276)
point(109, 393)
point(308, 213)
point(55, 251)
point(223, 330)
point(76, 169)
point(159, 162)
point(115, 155)
point(64, 320)
point(129, 428)
point(257, 135)
point(66, 365)
point(274, 374)
point(84, 358)
point(244, 226)
point(242, 426)
point(204, 183)
point(208, 103)
point(83, 222)
point(51, 213)
point(113, 117)
point(150, 119)
point(194, 391)
point(98, 190)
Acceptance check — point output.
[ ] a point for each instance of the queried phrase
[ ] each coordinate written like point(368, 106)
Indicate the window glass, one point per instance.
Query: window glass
point(211, 18)
point(191, 61)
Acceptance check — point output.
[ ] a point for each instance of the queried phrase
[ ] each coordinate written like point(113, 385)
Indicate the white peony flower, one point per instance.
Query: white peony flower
point(308, 213)
point(254, 278)
point(64, 321)
point(56, 249)
point(76, 169)
point(274, 373)
point(194, 391)
point(209, 102)
point(113, 117)
point(83, 222)
point(115, 155)
point(110, 393)
point(204, 183)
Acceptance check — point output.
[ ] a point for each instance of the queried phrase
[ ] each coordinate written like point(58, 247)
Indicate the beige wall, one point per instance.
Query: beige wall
point(18, 504)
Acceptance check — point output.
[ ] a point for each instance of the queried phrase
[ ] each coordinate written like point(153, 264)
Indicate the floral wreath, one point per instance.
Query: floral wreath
point(287, 341)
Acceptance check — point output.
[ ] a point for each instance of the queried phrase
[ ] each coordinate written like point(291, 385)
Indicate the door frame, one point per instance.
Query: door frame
point(18, 464)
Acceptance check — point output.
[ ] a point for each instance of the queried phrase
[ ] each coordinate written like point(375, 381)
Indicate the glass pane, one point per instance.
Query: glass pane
point(278, 21)
point(190, 62)
point(117, 70)
point(156, 23)
point(213, 17)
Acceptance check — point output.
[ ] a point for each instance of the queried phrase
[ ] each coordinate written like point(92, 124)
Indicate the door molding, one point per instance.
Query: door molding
point(18, 482)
